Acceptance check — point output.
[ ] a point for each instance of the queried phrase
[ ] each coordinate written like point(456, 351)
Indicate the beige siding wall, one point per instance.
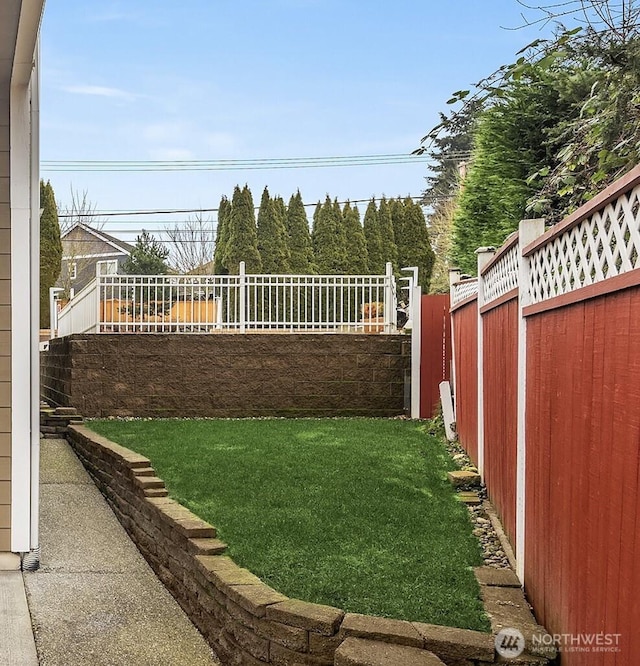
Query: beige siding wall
point(5, 326)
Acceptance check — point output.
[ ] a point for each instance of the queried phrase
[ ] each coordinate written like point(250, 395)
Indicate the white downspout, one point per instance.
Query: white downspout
point(31, 560)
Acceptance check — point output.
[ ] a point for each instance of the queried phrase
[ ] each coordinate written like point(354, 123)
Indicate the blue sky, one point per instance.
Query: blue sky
point(244, 79)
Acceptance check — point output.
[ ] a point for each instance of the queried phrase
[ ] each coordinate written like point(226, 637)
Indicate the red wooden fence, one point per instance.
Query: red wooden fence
point(464, 321)
point(500, 379)
point(435, 354)
point(570, 476)
point(582, 544)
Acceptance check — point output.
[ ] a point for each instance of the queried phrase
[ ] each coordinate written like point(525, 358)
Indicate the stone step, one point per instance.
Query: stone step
point(469, 497)
point(463, 478)
point(362, 652)
point(155, 492)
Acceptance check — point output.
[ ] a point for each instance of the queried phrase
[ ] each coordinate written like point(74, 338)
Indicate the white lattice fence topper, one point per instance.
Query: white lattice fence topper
point(464, 289)
point(602, 246)
point(502, 277)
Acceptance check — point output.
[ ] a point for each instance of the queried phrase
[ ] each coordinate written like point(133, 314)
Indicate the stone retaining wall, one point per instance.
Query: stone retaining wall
point(227, 375)
point(246, 621)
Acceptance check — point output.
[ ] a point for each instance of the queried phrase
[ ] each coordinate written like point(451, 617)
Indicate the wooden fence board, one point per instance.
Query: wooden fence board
point(500, 378)
point(583, 462)
point(435, 354)
point(465, 331)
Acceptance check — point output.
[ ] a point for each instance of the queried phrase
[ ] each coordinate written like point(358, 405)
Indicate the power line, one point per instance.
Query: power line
point(179, 211)
point(242, 165)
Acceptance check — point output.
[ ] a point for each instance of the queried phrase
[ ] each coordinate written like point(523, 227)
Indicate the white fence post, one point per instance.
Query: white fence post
point(242, 287)
point(415, 314)
point(53, 311)
point(529, 231)
point(454, 276)
point(98, 298)
point(484, 256)
point(389, 301)
point(416, 348)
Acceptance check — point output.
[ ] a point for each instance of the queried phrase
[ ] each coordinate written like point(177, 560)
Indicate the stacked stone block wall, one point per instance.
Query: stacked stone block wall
point(246, 621)
point(227, 375)
point(55, 421)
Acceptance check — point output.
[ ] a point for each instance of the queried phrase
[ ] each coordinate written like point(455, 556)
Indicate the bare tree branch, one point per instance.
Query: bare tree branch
point(192, 245)
point(81, 210)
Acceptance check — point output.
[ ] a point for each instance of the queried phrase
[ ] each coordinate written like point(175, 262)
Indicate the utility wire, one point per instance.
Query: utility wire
point(178, 211)
point(241, 165)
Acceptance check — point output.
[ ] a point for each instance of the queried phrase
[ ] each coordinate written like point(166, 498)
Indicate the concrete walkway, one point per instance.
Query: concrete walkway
point(94, 599)
point(17, 647)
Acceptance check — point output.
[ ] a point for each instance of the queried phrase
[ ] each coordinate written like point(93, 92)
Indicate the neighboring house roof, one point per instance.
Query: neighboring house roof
point(116, 243)
point(203, 269)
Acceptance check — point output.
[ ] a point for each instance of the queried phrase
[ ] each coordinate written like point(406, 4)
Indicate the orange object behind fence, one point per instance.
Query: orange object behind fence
point(193, 312)
point(114, 310)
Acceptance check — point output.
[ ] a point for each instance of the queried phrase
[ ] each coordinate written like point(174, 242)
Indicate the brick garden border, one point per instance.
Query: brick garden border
point(242, 618)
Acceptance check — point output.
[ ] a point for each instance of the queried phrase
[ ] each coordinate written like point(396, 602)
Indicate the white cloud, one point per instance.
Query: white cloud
point(100, 91)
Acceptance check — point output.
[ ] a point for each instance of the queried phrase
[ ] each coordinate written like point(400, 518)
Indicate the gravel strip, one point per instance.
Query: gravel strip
point(492, 553)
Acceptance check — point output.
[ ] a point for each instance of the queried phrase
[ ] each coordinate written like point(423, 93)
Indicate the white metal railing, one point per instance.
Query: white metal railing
point(235, 303)
point(79, 315)
point(463, 289)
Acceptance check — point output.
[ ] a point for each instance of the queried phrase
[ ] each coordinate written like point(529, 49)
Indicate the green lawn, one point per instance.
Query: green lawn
point(355, 513)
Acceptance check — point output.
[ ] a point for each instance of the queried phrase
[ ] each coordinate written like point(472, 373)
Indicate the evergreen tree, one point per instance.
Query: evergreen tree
point(397, 210)
point(387, 236)
point(415, 249)
point(440, 235)
point(299, 237)
point(281, 213)
point(281, 209)
point(316, 215)
point(373, 239)
point(50, 249)
point(329, 244)
point(358, 258)
point(220, 266)
point(272, 236)
point(148, 257)
point(243, 237)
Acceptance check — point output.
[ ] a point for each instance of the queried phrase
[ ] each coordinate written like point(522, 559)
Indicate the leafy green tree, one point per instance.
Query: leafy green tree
point(387, 235)
point(220, 266)
point(299, 237)
point(243, 236)
point(357, 256)
point(50, 249)
point(272, 236)
point(329, 243)
point(594, 139)
point(148, 257)
point(373, 239)
point(450, 145)
point(557, 126)
point(450, 149)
